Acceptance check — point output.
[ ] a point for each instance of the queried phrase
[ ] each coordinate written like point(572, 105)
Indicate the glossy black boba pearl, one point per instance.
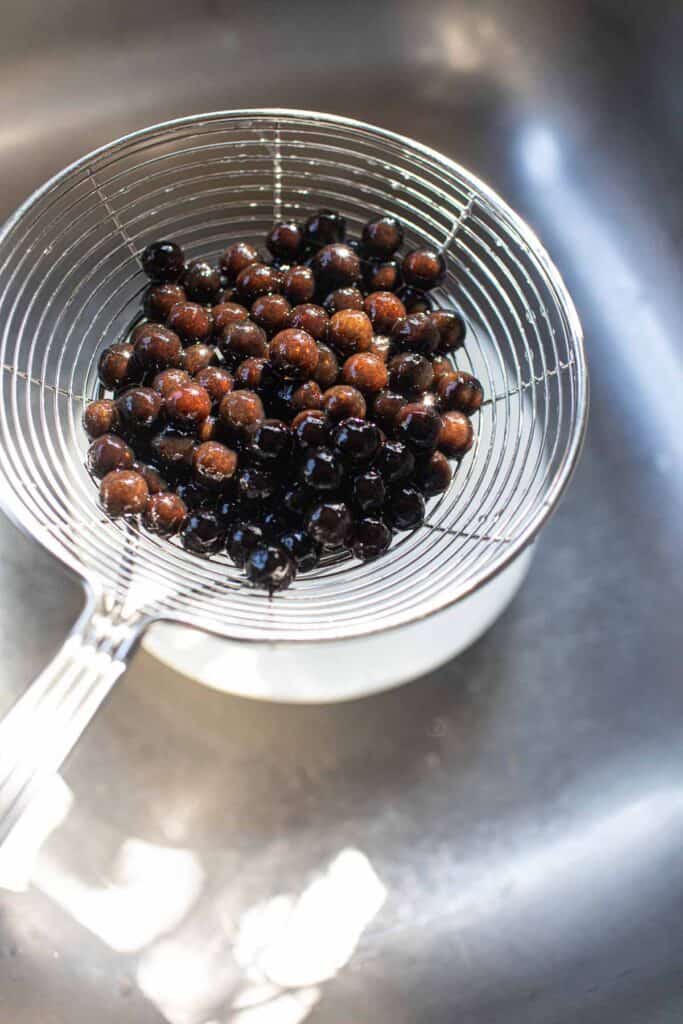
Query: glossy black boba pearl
point(298, 284)
point(321, 470)
point(275, 521)
point(414, 300)
point(258, 279)
point(324, 227)
point(255, 483)
point(107, 453)
point(163, 261)
point(385, 409)
point(203, 533)
point(330, 523)
point(381, 275)
point(311, 429)
point(173, 451)
point(271, 567)
point(285, 240)
point(415, 333)
point(272, 440)
point(243, 537)
point(405, 508)
point(118, 366)
point(410, 373)
point(296, 501)
point(419, 426)
point(423, 268)
point(336, 266)
point(159, 299)
point(368, 491)
point(451, 328)
point(433, 474)
point(343, 298)
point(382, 236)
point(236, 257)
point(195, 496)
point(156, 347)
point(202, 282)
point(357, 440)
point(394, 461)
point(371, 537)
point(303, 549)
point(139, 409)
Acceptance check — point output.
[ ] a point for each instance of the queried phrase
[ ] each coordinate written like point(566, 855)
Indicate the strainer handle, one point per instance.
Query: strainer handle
point(40, 730)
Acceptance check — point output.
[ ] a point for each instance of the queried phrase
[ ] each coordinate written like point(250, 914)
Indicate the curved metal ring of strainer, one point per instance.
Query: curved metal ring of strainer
point(70, 283)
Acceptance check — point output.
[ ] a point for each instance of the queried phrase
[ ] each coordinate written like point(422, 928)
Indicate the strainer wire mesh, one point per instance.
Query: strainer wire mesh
point(70, 283)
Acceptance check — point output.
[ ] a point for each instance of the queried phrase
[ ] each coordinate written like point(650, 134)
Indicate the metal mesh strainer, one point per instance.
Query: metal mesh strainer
point(70, 283)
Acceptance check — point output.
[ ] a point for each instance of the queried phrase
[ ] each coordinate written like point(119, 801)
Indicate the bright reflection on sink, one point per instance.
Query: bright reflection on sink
point(43, 816)
point(150, 890)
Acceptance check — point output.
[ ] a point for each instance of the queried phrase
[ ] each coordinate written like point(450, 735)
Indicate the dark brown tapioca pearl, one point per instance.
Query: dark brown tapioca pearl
point(165, 513)
point(415, 333)
point(107, 453)
point(366, 372)
point(306, 396)
point(311, 429)
point(173, 452)
point(258, 279)
point(423, 269)
point(370, 538)
point(101, 417)
point(216, 381)
point(167, 381)
point(156, 347)
point(302, 548)
point(236, 257)
point(227, 313)
point(433, 474)
point(159, 300)
point(441, 367)
point(253, 375)
point(270, 567)
point(140, 410)
point(330, 523)
point(242, 340)
point(410, 373)
point(325, 227)
point(123, 493)
point(394, 461)
point(404, 508)
point(188, 405)
point(382, 236)
point(208, 429)
point(156, 483)
point(298, 285)
point(419, 427)
point(367, 491)
point(350, 331)
point(336, 266)
point(191, 322)
point(163, 261)
point(356, 440)
point(294, 354)
point(198, 357)
point(202, 282)
point(285, 240)
point(382, 346)
point(310, 318)
point(343, 298)
point(296, 501)
point(226, 294)
point(381, 276)
point(327, 370)
point(243, 537)
point(384, 310)
point(385, 409)
point(456, 436)
point(213, 465)
point(321, 470)
point(451, 328)
point(118, 367)
point(272, 441)
point(195, 496)
point(343, 401)
point(256, 484)
point(241, 414)
point(460, 392)
point(415, 300)
point(203, 533)
point(271, 312)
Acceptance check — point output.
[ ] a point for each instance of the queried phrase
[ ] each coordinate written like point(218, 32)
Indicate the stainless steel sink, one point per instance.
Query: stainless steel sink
point(499, 841)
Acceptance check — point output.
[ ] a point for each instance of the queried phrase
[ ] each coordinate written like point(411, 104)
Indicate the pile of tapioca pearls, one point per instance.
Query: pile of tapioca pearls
point(277, 409)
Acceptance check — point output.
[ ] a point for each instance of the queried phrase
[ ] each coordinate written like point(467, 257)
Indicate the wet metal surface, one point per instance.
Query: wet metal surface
point(500, 841)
